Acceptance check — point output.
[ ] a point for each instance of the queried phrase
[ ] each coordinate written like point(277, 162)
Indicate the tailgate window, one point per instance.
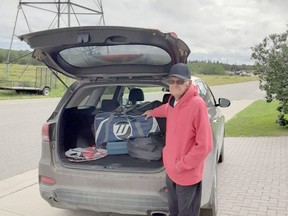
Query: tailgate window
point(92, 56)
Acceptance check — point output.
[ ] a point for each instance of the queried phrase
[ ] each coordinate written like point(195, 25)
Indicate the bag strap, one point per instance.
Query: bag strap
point(106, 121)
point(107, 127)
point(139, 128)
point(124, 110)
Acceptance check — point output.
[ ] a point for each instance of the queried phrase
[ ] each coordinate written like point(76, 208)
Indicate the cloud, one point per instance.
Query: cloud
point(217, 30)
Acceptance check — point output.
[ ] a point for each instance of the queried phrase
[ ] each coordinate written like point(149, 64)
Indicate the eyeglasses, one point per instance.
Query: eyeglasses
point(177, 81)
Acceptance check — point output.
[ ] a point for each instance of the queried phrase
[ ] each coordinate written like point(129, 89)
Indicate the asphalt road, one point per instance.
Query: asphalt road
point(240, 91)
point(21, 122)
point(20, 134)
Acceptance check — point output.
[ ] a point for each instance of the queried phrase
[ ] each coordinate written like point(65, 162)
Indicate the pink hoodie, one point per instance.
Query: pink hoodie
point(188, 137)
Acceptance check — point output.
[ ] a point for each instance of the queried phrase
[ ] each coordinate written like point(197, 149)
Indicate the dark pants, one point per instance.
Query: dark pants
point(183, 200)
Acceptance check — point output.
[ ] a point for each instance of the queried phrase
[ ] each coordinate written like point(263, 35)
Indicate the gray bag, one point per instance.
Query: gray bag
point(147, 148)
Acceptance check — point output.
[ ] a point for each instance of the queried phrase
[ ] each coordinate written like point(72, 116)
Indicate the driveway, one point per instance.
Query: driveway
point(253, 177)
point(252, 181)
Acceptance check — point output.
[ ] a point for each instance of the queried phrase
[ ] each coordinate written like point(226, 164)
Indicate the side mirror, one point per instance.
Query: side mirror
point(223, 102)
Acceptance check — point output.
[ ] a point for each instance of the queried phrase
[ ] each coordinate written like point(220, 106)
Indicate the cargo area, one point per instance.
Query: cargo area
point(77, 130)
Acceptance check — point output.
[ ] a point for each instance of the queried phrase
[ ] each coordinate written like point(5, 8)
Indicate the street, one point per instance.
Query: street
point(20, 134)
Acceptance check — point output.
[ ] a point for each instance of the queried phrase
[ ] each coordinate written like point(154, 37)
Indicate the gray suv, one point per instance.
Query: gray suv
point(109, 64)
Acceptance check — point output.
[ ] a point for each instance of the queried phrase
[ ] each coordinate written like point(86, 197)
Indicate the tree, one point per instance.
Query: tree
point(207, 68)
point(271, 64)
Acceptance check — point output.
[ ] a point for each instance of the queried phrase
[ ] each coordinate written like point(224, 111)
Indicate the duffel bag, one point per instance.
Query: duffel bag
point(147, 148)
point(112, 126)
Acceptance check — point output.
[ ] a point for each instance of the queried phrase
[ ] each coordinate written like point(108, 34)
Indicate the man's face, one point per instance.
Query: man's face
point(178, 86)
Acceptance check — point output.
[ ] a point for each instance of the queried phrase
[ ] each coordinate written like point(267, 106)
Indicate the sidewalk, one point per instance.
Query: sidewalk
point(19, 196)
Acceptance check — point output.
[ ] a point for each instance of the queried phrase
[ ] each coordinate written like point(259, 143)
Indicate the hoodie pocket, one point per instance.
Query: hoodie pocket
point(169, 160)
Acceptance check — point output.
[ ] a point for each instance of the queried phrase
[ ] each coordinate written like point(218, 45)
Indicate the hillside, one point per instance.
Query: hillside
point(18, 57)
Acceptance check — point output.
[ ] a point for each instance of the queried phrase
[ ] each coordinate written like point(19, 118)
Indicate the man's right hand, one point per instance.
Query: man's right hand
point(147, 114)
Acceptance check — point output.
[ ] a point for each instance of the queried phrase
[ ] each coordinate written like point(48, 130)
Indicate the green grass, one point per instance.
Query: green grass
point(18, 72)
point(26, 76)
point(213, 80)
point(258, 119)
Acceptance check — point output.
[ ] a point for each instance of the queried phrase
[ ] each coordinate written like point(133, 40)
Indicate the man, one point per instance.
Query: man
point(188, 142)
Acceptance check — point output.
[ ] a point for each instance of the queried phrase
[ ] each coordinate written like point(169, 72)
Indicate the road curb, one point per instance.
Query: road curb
point(17, 183)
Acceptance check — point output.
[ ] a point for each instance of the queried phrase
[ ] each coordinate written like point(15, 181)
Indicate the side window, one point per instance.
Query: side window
point(85, 97)
point(210, 96)
point(205, 93)
point(125, 95)
point(154, 93)
point(201, 89)
point(84, 102)
point(151, 93)
point(91, 97)
point(108, 94)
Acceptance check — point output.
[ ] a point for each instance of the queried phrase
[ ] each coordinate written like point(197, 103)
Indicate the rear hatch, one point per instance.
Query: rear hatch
point(107, 51)
point(98, 53)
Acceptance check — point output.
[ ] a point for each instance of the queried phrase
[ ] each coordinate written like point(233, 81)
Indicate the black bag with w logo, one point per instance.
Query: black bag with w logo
point(117, 126)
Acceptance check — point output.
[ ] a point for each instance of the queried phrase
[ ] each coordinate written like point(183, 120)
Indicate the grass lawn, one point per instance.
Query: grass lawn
point(258, 119)
point(213, 80)
point(23, 75)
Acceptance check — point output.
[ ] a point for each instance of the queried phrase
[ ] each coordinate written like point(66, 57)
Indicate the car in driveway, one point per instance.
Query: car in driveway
point(109, 63)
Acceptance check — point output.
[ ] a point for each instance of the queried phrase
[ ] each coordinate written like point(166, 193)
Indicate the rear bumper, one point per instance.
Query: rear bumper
point(103, 191)
point(103, 202)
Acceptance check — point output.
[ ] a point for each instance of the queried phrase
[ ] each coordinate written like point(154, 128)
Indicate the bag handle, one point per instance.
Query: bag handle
point(124, 110)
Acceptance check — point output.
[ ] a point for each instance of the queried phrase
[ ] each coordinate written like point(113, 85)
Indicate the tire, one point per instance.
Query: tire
point(221, 157)
point(45, 91)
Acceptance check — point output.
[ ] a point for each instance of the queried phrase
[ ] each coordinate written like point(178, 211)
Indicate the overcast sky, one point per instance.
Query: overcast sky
point(216, 30)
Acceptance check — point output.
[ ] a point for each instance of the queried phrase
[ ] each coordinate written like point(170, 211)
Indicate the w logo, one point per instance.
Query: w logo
point(122, 130)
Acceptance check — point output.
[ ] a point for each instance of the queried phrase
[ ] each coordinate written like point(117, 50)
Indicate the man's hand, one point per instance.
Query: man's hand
point(147, 114)
point(177, 169)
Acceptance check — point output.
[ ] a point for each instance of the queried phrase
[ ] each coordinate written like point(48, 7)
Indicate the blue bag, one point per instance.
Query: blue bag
point(117, 148)
point(113, 126)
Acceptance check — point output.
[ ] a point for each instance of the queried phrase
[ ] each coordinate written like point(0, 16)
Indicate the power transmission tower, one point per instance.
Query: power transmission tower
point(63, 13)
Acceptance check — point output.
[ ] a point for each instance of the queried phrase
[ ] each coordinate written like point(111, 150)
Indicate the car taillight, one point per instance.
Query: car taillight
point(45, 132)
point(47, 180)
